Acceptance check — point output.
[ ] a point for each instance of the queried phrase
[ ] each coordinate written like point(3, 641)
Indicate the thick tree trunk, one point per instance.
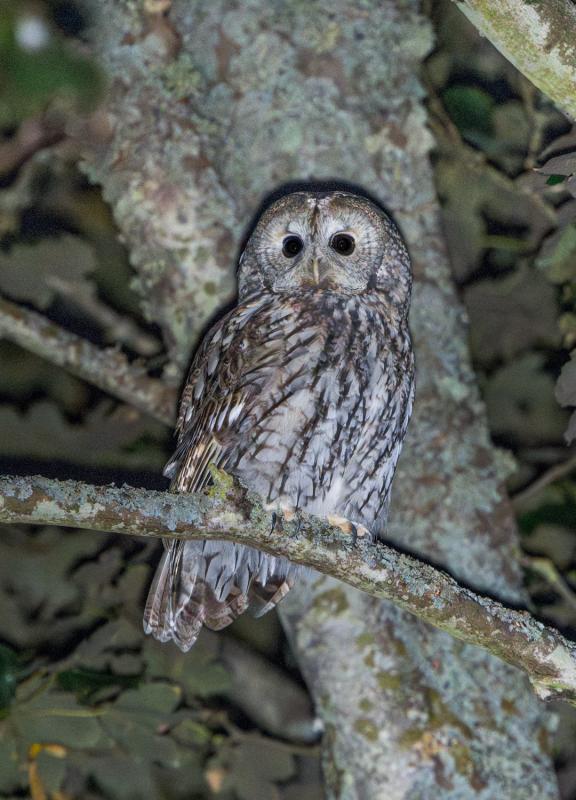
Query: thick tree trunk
point(212, 108)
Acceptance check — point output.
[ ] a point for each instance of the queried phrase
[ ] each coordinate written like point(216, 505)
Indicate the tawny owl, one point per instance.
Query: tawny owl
point(303, 391)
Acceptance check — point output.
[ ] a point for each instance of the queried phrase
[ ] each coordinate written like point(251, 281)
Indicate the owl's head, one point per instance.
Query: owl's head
point(326, 241)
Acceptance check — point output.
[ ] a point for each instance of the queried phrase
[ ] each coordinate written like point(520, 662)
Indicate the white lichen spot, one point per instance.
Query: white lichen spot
point(90, 509)
point(48, 509)
point(565, 663)
point(453, 389)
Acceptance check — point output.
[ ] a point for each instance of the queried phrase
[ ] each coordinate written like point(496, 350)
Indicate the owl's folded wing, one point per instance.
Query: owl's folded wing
point(211, 582)
point(227, 374)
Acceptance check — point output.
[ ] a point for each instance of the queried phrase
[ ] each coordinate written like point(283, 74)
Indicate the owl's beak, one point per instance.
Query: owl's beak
point(318, 274)
point(316, 270)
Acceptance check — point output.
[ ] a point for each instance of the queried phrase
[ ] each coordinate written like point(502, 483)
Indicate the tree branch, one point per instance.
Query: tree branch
point(537, 36)
point(521, 499)
point(230, 512)
point(109, 369)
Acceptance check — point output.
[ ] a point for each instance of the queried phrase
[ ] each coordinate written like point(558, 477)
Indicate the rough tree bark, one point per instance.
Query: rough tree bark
point(537, 36)
point(211, 108)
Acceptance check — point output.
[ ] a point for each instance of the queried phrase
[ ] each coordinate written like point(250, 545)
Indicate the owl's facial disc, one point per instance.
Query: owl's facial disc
point(334, 241)
point(318, 242)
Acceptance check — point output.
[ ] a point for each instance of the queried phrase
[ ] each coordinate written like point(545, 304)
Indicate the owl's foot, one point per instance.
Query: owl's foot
point(289, 513)
point(353, 529)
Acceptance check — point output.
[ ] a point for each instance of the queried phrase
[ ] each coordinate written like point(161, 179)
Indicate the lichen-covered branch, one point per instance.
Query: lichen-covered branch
point(229, 512)
point(108, 369)
point(538, 37)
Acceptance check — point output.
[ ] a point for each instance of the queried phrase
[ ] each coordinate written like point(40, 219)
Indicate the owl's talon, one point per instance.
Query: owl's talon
point(362, 532)
point(352, 529)
point(280, 514)
point(339, 522)
point(358, 532)
point(354, 535)
point(274, 521)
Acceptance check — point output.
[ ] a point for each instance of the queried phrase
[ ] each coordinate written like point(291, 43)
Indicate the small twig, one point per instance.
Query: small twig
point(230, 512)
point(33, 134)
point(117, 327)
point(548, 570)
point(520, 499)
point(108, 369)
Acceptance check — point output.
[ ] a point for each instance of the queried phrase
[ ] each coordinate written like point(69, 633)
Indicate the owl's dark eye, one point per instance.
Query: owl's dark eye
point(291, 246)
point(343, 243)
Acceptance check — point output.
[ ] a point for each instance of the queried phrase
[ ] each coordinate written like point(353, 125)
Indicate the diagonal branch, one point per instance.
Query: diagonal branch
point(109, 369)
point(230, 512)
point(537, 36)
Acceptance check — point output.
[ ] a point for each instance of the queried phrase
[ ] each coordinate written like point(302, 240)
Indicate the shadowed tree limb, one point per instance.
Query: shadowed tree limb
point(521, 500)
point(109, 369)
point(537, 36)
point(230, 512)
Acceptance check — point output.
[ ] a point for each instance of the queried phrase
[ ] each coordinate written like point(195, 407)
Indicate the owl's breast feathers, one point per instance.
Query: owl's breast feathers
point(304, 397)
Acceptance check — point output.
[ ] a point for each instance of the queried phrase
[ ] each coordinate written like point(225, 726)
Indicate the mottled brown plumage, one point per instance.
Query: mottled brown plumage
point(303, 391)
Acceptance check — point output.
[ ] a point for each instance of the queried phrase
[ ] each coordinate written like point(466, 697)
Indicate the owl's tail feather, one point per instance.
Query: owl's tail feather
point(264, 598)
point(212, 583)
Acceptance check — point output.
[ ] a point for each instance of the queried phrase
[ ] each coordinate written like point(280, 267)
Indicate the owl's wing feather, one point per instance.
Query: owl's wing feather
point(211, 583)
point(227, 373)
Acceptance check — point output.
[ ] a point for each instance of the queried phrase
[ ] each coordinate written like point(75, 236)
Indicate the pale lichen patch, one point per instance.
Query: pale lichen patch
point(366, 728)
point(49, 509)
point(87, 509)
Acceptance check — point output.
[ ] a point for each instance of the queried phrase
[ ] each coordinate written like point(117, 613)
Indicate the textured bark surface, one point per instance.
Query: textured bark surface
point(209, 111)
point(537, 36)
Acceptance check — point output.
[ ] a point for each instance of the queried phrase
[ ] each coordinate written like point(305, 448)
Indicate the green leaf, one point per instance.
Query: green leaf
point(8, 676)
point(150, 698)
point(10, 775)
point(521, 403)
point(192, 733)
point(52, 771)
point(470, 108)
point(106, 649)
point(256, 765)
point(104, 436)
point(138, 719)
point(512, 314)
point(58, 718)
point(86, 682)
point(40, 604)
point(199, 672)
point(558, 255)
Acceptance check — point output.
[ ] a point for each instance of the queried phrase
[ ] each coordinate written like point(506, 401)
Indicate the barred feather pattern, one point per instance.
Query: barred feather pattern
point(305, 398)
point(303, 391)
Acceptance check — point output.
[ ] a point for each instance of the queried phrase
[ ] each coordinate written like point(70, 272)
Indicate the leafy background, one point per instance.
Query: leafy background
point(89, 708)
